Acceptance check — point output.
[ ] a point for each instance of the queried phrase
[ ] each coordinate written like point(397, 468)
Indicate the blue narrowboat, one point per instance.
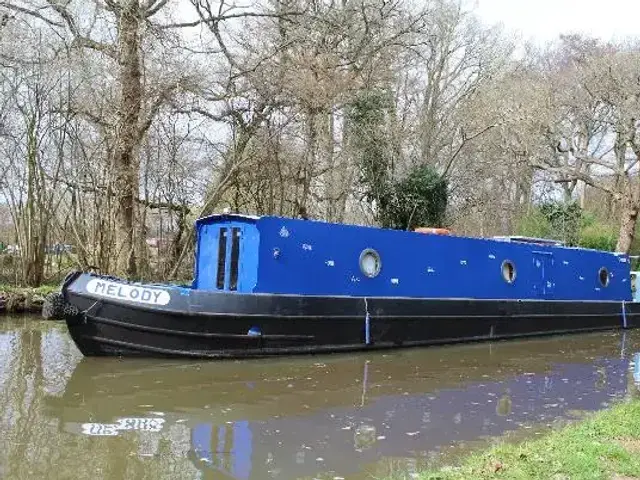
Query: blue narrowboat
point(270, 286)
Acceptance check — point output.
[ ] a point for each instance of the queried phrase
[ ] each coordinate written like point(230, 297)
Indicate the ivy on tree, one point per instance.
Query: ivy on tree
point(418, 199)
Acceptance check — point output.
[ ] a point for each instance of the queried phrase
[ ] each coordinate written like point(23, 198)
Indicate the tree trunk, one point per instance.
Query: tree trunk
point(628, 219)
point(178, 240)
point(126, 165)
point(311, 160)
point(35, 231)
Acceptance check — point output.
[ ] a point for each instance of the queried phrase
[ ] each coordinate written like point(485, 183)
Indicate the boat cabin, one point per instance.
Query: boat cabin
point(239, 253)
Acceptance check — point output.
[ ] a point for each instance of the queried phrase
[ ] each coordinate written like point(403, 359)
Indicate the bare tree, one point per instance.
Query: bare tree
point(589, 132)
point(129, 23)
point(32, 143)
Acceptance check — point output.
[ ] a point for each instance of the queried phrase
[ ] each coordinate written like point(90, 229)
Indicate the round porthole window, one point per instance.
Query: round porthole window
point(370, 263)
point(603, 276)
point(508, 271)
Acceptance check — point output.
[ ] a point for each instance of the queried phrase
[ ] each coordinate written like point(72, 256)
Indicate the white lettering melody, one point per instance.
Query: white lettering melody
point(133, 293)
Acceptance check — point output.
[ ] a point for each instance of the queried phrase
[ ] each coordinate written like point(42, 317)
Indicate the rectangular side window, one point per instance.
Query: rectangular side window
point(222, 258)
point(235, 257)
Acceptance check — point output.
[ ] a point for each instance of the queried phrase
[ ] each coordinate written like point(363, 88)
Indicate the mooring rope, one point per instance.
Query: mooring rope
point(624, 315)
point(367, 323)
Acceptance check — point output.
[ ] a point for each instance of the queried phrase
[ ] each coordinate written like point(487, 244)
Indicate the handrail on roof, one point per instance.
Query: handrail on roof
point(519, 238)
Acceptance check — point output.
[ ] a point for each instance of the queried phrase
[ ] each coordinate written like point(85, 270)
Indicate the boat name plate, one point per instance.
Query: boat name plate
point(132, 293)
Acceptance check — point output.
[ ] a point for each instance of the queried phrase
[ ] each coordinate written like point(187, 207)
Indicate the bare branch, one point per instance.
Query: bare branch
point(168, 26)
point(152, 7)
point(465, 140)
point(564, 175)
point(79, 39)
point(31, 13)
point(161, 98)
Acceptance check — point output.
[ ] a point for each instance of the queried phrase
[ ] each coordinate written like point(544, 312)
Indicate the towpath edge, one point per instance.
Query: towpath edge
point(605, 445)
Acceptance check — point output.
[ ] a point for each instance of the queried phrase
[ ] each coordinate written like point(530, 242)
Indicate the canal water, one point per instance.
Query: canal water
point(332, 417)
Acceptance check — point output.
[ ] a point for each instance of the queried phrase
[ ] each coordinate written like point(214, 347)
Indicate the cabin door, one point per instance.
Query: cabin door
point(228, 257)
point(543, 274)
point(219, 256)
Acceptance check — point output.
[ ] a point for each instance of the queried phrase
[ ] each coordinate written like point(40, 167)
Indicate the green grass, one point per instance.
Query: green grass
point(41, 290)
point(603, 446)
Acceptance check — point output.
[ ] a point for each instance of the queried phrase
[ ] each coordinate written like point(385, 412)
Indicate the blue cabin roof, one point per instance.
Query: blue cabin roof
point(244, 254)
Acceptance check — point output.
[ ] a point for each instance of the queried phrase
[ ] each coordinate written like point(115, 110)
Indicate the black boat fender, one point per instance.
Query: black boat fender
point(55, 306)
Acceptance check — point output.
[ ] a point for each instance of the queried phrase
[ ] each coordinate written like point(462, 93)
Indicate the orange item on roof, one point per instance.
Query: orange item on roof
point(435, 231)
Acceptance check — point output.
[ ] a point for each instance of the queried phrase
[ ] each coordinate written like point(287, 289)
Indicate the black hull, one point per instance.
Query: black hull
point(216, 325)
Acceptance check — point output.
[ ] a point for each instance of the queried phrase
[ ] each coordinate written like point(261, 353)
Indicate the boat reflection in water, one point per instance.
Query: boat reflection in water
point(290, 419)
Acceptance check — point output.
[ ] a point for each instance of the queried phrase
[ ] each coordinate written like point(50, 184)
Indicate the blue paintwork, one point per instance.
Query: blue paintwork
point(291, 256)
point(207, 254)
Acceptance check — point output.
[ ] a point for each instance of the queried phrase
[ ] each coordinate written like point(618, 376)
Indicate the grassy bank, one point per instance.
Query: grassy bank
point(603, 446)
point(23, 299)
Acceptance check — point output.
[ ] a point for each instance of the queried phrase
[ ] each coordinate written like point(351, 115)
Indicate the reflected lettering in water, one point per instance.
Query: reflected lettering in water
point(306, 417)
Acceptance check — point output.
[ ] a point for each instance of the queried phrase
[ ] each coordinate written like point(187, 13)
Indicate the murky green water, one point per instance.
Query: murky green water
point(346, 416)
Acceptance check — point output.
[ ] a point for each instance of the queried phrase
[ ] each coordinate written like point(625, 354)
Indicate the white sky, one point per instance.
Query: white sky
point(544, 20)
